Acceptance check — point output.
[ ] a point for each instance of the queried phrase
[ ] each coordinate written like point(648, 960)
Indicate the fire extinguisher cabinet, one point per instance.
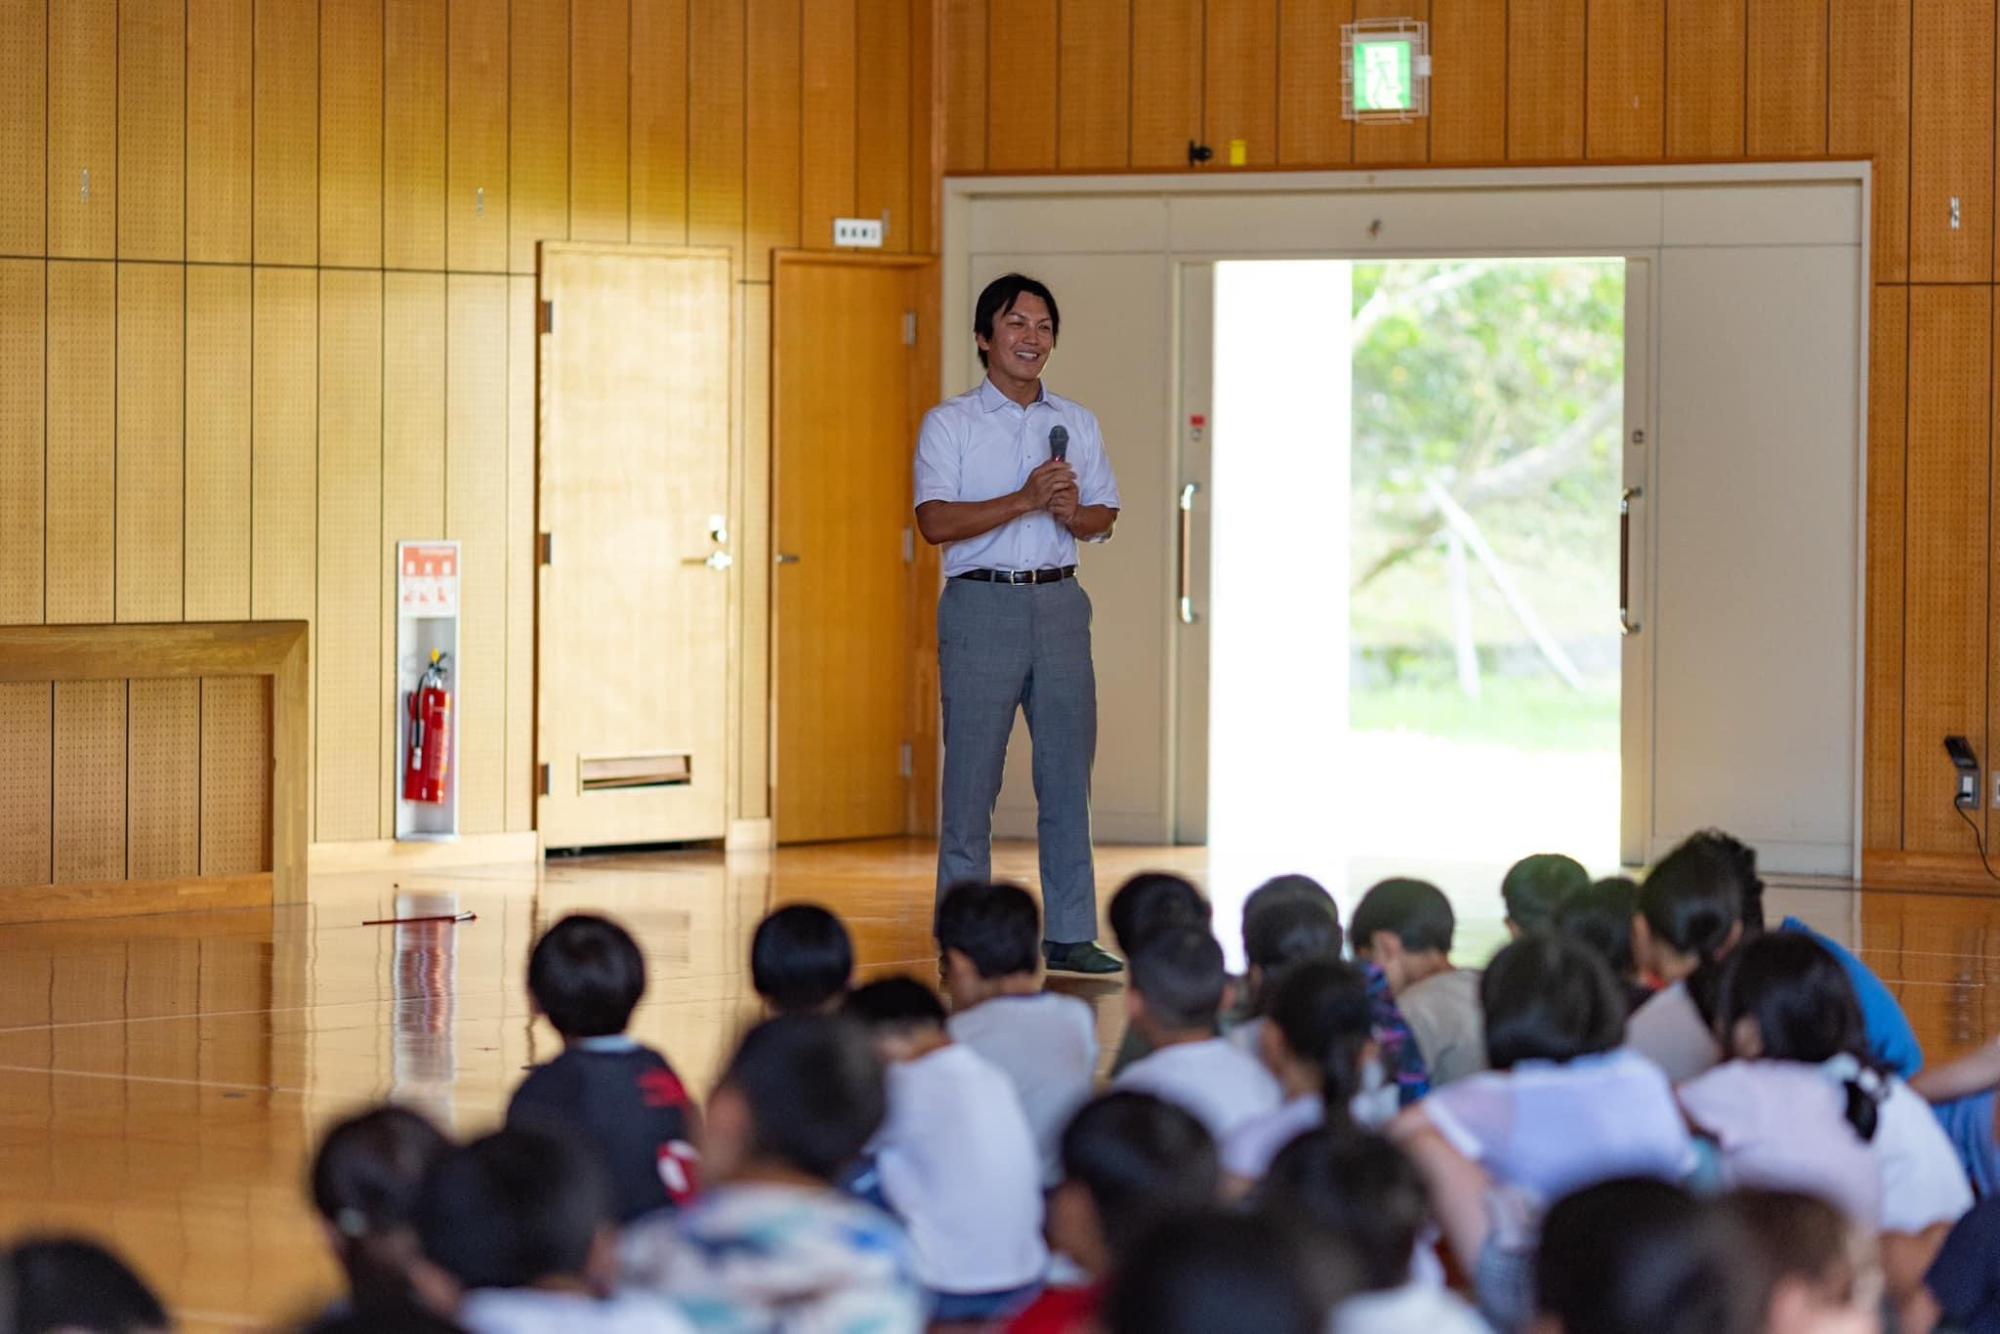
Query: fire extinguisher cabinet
point(427, 611)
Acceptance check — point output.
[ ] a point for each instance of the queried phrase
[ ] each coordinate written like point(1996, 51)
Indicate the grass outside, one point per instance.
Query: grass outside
point(1536, 713)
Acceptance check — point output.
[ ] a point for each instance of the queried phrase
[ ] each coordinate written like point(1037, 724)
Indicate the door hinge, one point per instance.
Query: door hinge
point(909, 546)
point(907, 765)
point(909, 328)
point(545, 317)
point(542, 779)
point(545, 546)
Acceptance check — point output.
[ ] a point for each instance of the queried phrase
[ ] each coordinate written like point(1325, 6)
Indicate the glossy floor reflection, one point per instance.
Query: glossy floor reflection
point(162, 1080)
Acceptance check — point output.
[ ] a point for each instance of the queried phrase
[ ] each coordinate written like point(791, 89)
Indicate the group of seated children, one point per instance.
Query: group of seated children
point(1645, 1113)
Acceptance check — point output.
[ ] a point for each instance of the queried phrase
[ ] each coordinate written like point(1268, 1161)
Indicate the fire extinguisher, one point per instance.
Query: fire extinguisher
point(429, 762)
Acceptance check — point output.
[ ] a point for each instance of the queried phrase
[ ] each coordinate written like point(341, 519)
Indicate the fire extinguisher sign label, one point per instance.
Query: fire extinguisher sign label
point(428, 581)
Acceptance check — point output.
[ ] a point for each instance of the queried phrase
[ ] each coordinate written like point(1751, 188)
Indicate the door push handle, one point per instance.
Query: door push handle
point(1626, 625)
point(715, 560)
point(1188, 614)
point(786, 558)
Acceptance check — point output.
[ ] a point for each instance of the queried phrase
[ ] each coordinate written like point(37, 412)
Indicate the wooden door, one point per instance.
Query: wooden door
point(843, 418)
point(634, 641)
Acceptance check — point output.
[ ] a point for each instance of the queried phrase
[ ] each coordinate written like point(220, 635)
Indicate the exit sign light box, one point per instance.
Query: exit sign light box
point(1385, 70)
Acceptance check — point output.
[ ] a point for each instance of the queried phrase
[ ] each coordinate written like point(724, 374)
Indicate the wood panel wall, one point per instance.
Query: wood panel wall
point(267, 306)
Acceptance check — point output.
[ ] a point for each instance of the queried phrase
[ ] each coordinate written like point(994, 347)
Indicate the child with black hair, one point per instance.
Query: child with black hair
point(1129, 1160)
point(1690, 915)
point(1405, 928)
point(1175, 1001)
point(989, 941)
point(619, 1098)
point(1600, 917)
point(519, 1234)
point(801, 959)
point(1144, 906)
point(955, 1157)
point(1536, 888)
point(1319, 1045)
point(1365, 1191)
point(1822, 1270)
point(78, 1287)
point(773, 1244)
point(1200, 1273)
point(1279, 934)
point(365, 1181)
point(1642, 1256)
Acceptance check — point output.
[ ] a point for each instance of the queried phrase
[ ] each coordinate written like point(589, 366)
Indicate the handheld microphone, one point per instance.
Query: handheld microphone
point(1059, 442)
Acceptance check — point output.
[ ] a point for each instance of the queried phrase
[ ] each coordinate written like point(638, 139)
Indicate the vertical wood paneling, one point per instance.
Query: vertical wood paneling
point(882, 119)
point(538, 130)
point(81, 434)
point(1951, 137)
point(476, 516)
point(1310, 127)
point(1786, 91)
point(1390, 142)
point(350, 169)
point(152, 62)
point(285, 137)
point(1625, 80)
point(1021, 114)
point(218, 443)
point(659, 121)
point(1166, 80)
point(163, 780)
point(1870, 115)
point(284, 427)
point(715, 123)
point(27, 775)
point(151, 308)
point(1095, 99)
point(1945, 608)
point(518, 771)
point(83, 128)
point(476, 136)
point(24, 127)
point(413, 134)
point(772, 198)
point(1888, 403)
point(964, 78)
point(1469, 109)
point(348, 618)
point(828, 132)
point(235, 775)
point(218, 130)
point(23, 459)
point(1240, 79)
point(1706, 52)
point(1545, 79)
point(926, 128)
point(89, 781)
point(600, 165)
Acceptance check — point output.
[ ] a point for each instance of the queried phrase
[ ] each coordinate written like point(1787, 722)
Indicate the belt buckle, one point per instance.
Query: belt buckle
point(1020, 577)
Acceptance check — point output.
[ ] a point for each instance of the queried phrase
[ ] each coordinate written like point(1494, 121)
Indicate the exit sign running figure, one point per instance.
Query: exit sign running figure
point(1385, 70)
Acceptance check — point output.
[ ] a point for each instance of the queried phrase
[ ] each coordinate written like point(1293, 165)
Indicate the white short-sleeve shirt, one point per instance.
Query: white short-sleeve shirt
point(1046, 1044)
point(982, 445)
point(1220, 1086)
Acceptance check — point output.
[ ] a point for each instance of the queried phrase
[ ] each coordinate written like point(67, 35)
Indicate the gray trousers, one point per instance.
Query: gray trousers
point(1003, 647)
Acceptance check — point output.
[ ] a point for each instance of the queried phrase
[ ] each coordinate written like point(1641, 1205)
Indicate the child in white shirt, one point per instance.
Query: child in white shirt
point(956, 1159)
point(1175, 1000)
point(989, 941)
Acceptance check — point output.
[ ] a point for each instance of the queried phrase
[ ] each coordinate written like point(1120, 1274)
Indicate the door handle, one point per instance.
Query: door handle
point(1187, 612)
point(1626, 625)
point(715, 560)
point(786, 558)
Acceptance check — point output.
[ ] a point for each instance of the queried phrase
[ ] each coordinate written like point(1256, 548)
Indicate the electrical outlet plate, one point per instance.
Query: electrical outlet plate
point(858, 233)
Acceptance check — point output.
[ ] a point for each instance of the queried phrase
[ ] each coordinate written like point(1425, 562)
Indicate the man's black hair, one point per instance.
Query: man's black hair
point(1640, 1256)
point(1203, 1272)
point(1536, 888)
point(587, 975)
point(1140, 1159)
point(1001, 295)
point(1549, 998)
point(1416, 912)
point(1151, 902)
point(63, 1283)
point(895, 1004)
point(1179, 974)
point(800, 958)
point(996, 926)
point(513, 1209)
point(814, 1088)
point(1362, 1189)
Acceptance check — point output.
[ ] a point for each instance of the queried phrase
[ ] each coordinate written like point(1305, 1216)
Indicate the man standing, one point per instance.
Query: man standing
point(1009, 478)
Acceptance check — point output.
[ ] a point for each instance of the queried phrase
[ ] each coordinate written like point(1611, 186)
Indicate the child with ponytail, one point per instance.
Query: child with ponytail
point(1690, 915)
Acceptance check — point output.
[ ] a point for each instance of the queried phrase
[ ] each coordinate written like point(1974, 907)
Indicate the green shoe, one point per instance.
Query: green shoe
point(1083, 957)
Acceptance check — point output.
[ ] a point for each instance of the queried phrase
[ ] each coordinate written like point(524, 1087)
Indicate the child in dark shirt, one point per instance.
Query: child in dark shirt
point(620, 1098)
point(801, 960)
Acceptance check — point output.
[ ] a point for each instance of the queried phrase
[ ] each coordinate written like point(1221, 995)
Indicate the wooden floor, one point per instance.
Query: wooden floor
point(162, 1079)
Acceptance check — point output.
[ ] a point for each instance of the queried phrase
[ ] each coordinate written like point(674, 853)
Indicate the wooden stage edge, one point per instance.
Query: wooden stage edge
point(133, 898)
point(1928, 870)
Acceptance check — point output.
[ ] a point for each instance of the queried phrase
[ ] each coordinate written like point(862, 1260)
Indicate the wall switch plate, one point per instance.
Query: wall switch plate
point(858, 233)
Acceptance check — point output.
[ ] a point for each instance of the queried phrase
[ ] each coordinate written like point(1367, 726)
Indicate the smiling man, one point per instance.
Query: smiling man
point(1009, 478)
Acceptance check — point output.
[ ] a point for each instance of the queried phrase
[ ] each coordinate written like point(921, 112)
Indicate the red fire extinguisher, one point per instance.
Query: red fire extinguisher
point(429, 763)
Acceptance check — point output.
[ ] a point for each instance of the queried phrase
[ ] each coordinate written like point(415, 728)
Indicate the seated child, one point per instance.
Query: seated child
point(1404, 927)
point(1203, 1273)
point(1174, 1000)
point(1690, 914)
point(365, 1181)
point(773, 1244)
point(1129, 1160)
point(1365, 1191)
point(1044, 1042)
point(1144, 906)
point(1563, 1106)
point(1823, 1273)
point(518, 1233)
point(76, 1287)
point(1279, 933)
point(956, 1159)
point(1641, 1256)
point(801, 959)
point(620, 1099)
point(1601, 918)
point(1962, 1289)
point(1536, 888)
point(1319, 1045)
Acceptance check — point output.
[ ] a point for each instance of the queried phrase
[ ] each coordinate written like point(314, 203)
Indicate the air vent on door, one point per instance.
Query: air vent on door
point(607, 773)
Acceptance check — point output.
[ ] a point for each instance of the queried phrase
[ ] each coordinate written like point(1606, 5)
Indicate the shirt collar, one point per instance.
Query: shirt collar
point(611, 1044)
point(991, 399)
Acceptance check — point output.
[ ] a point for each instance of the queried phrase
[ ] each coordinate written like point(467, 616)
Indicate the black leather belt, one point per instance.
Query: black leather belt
point(1054, 576)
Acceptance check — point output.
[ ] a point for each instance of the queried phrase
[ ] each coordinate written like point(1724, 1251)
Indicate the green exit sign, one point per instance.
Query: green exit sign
point(1385, 72)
